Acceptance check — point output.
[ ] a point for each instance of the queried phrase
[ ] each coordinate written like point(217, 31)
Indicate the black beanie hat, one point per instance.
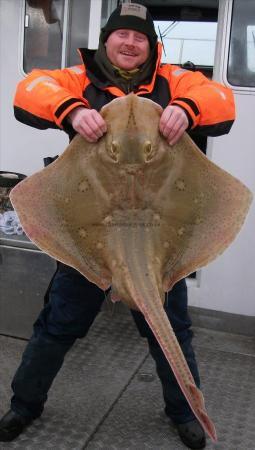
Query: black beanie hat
point(131, 16)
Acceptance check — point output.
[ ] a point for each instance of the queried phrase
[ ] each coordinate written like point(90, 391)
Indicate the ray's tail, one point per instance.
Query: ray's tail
point(158, 321)
point(138, 282)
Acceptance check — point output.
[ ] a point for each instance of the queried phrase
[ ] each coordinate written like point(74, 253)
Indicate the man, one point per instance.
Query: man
point(127, 60)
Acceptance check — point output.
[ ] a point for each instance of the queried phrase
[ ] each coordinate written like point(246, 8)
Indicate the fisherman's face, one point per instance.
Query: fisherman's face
point(127, 49)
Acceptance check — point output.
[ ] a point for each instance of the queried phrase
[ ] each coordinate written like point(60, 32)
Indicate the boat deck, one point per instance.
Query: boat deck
point(108, 397)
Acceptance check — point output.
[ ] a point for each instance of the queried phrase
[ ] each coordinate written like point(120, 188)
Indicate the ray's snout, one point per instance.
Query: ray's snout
point(134, 151)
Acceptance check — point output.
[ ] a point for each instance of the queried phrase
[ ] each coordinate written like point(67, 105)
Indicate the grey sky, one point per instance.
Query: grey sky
point(188, 41)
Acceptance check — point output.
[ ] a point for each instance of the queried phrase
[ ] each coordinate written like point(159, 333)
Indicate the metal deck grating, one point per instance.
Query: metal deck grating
point(108, 397)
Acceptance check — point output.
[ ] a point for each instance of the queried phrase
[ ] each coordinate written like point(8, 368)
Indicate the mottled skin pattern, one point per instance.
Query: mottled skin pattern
point(134, 213)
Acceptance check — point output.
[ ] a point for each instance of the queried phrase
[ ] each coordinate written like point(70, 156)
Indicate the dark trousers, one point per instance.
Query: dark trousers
point(73, 304)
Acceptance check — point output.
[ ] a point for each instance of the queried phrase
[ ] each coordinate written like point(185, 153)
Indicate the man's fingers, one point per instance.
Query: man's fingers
point(88, 122)
point(88, 132)
point(164, 119)
point(99, 121)
point(174, 129)
point(93, 125)
point(177, 135)
point(91, 128)
point(173, 123)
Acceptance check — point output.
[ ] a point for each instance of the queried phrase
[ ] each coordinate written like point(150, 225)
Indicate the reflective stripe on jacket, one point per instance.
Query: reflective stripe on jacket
point(45, 97)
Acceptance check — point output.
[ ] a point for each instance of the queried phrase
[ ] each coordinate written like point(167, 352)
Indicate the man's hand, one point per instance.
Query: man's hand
point(173, 122)
point(88, 123)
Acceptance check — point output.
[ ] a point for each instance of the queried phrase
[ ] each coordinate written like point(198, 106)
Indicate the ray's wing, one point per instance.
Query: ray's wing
point(61, 209)
point(203, 208)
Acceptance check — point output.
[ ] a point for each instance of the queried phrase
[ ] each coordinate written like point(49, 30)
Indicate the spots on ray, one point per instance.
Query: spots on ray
point(107, 220)
point(156, 217)
point(180, 184)
point(200, 199)
point(82, 232)
point(198, 220)
point(214, 187)
point(122, 172)
point(57, 196)
point(181, 231)
point(157, 260)
point(83, 185)
point(63, 222)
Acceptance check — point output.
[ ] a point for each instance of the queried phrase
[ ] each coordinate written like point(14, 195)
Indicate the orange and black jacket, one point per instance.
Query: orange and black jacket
point(45, 97)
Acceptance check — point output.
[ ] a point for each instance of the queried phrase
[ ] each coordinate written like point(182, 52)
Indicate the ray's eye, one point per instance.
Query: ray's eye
point(147, 148)
point(114, 151)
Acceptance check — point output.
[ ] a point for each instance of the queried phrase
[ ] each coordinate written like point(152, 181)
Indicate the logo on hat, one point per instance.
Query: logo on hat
point(131, 9)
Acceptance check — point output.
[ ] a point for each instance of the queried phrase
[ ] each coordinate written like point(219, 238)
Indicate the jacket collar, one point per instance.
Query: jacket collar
point(99, 79)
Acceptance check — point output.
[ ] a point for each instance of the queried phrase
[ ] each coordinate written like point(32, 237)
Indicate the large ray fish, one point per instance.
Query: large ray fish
point(132, 212)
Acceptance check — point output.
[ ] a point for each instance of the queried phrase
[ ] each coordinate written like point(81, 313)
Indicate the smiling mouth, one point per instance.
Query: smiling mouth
point(128, 54)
